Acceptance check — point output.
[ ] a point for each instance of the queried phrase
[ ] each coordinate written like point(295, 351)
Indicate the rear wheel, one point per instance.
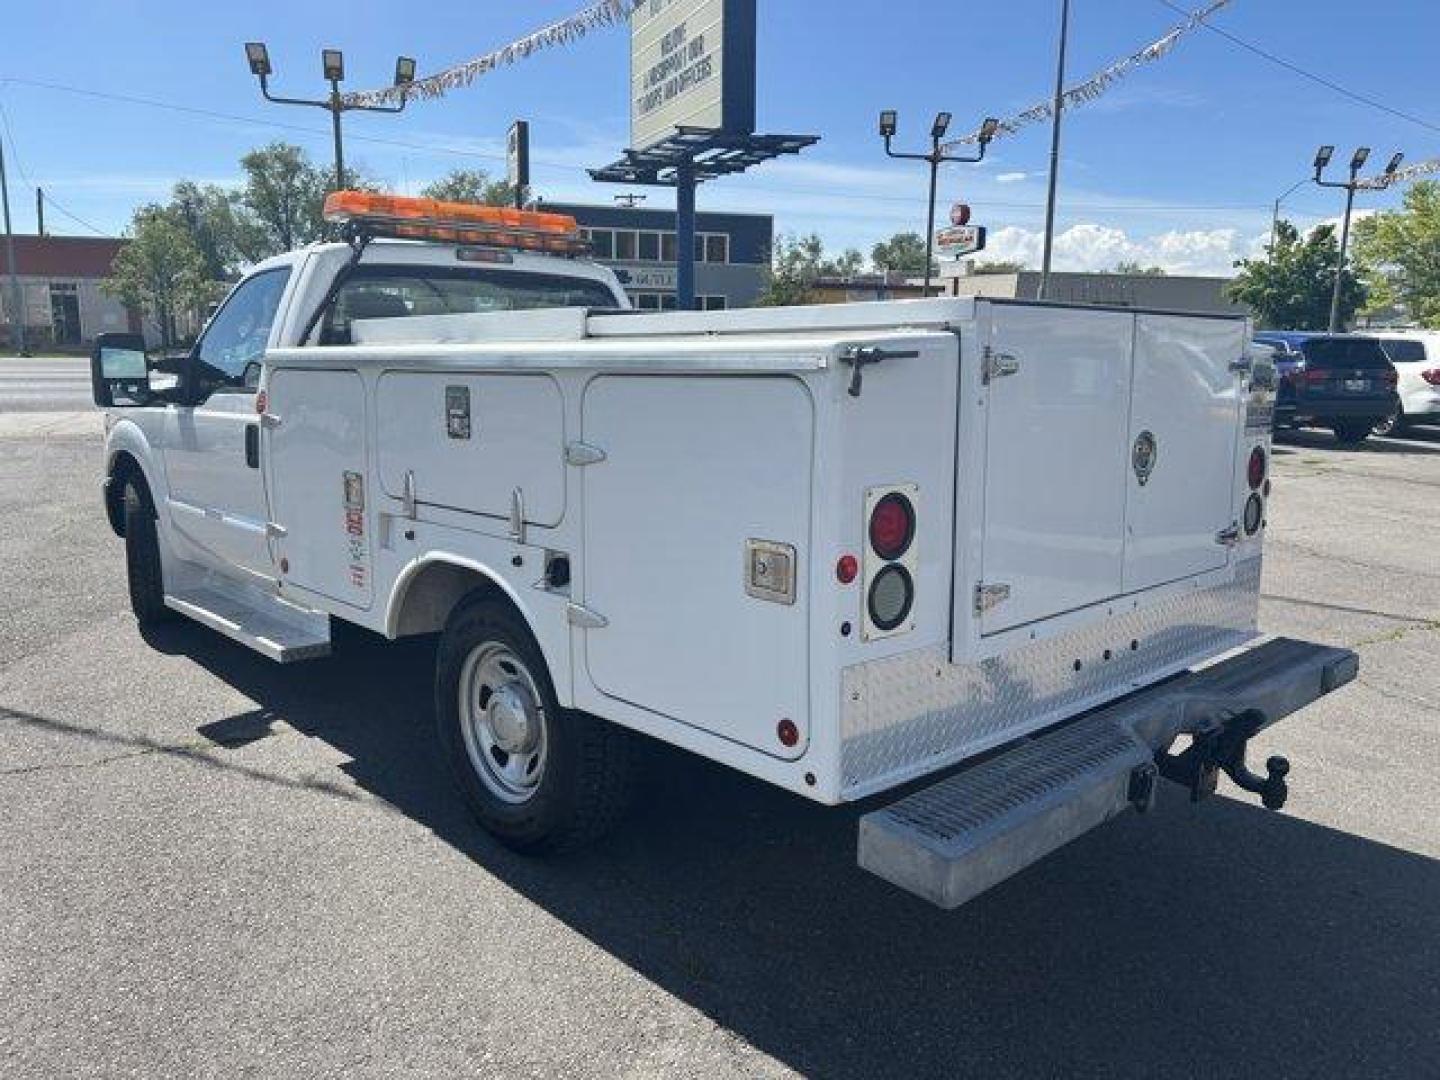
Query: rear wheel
point(1352, 432)
point(142, 560)
point(539, 777)
point(1392, 424)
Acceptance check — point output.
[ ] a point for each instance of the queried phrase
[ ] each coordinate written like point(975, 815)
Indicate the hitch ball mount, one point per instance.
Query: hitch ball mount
point(1219, 746)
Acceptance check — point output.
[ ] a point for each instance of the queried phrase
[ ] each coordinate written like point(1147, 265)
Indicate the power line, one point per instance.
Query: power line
point(1353, 95)
point(212, 114)
point(24, 175)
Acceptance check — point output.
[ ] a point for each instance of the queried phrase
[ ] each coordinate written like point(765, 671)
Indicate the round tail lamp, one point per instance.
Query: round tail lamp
point(892, 526)
point(891, 596)
point(1255, 471)
point(847, 569)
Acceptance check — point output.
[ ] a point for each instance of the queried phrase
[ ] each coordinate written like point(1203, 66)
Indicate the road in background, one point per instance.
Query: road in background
point(44, 384)
point(214, 865)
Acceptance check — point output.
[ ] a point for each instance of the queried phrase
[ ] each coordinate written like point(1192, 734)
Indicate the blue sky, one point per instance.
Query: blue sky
point(1176, 165)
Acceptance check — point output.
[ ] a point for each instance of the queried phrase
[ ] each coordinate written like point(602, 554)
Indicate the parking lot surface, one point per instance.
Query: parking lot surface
point(211, 865)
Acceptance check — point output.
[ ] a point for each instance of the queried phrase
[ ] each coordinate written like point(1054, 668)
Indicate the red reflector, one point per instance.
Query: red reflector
point(787, 732)
point(892, 526)
point(847, 569)
point(1432, 376)
point(1256, 469)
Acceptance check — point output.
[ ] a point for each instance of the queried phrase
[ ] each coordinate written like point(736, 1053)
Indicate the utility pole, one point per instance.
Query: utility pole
point(1275, 214)
point(1056, 107)
point(39, 211)
point(1357, 162)
point(16, 305)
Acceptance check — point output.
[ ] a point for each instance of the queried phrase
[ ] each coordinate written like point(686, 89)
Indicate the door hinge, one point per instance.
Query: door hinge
point(517, 516)
point(579, 453)
point(275, 531)
point(989, 596)
point(1228, 537)
point(583, 617)
point(996, 365)
point(270, 419)
point(407, 495)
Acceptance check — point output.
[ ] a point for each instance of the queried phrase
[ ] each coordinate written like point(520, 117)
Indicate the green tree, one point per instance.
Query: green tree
point(795, 266)
point(847, 264)
point(999, 266)
point(1399, 253)
point(160, 271)
point(1134, 269)
point(284, 194)
point(470, 185)
point(903, 253)
point(1290, 288)
point(226, 234)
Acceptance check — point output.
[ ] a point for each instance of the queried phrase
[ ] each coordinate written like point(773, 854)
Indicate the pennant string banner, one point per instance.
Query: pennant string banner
point(1102, 80)
point(595, 17)
point(1402, 176)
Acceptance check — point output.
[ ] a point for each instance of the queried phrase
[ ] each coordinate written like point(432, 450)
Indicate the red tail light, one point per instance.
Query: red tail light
point(1432, 376)
point(1311, 376)
point(892, 526)
point(1255, 471)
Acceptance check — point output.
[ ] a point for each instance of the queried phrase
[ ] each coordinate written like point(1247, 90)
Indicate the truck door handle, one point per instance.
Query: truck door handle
point(252, 445)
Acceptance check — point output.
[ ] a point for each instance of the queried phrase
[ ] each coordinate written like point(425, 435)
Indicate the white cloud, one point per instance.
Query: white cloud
point(1010, 177)
point(1090, 246)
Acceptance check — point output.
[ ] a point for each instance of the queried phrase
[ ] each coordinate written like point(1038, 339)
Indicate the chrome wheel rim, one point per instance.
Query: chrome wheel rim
point(503, 722)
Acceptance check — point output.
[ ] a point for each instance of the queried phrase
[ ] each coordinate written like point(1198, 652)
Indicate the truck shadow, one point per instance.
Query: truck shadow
point(1210, 940)
point(1417, 440)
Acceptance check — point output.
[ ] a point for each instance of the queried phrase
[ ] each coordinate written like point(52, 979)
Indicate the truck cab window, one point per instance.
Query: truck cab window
point(395, 292)
point(234, 342)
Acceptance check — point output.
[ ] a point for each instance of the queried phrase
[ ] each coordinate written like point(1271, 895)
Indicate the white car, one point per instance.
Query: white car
point(1416, 356)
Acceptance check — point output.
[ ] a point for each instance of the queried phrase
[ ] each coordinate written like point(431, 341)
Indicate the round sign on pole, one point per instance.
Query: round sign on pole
point(960, 214)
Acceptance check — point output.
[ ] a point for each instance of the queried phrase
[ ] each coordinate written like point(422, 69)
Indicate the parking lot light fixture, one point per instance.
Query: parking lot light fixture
point(1349, 186)
point(333, 64)
point(1358, 161)
point(935, 158)
point(259, 57)
point(1394, 164)
point(1322, 157)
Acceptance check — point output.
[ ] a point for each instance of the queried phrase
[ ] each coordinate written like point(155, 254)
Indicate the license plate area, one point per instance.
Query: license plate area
point(1357, 385)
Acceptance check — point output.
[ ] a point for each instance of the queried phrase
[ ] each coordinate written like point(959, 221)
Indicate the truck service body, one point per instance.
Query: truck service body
point(837, 548)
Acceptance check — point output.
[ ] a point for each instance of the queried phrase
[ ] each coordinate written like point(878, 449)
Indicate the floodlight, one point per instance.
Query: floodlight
point(941, 125)
point(1358, 161)
point(259, 58)
point(988, 129)
point(334, 62)
point(404, 71)
point(889, 121)
point(1394, 164)
point(1323, 156)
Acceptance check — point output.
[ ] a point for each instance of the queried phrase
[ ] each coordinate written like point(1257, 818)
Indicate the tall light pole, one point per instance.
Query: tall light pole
point(1275, 213)
point(333, 64)
point(1357, 162)
point(1056, 107)
point(889, 124)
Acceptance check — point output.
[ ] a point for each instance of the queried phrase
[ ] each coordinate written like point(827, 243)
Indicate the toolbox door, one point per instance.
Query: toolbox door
point(1056, 414)
point(701, 476)
point(1186, 413)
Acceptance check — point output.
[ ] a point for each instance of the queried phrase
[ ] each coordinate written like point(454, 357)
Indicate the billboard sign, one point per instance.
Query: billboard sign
point(692, 64)
point(958, 240)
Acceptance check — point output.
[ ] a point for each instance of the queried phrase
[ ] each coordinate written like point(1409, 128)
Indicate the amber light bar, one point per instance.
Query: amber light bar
point(414, 218)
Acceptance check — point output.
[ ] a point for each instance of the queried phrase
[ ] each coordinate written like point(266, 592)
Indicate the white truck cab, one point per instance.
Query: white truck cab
point(838, 548)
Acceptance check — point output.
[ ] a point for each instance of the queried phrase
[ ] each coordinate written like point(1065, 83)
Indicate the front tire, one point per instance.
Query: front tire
point(538, 777)
point(1352, 432)
point(142, 561)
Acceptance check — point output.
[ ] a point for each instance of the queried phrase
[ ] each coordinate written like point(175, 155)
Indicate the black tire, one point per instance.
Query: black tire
point(585, 780)
point(142, 560)
point(1352, 432)
point(1394, 424)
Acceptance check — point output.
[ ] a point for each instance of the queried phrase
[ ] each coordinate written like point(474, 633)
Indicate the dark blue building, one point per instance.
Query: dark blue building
point(732, 252)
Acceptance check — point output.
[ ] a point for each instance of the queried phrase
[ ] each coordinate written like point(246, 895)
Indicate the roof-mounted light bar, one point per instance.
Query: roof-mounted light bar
point(408, 218)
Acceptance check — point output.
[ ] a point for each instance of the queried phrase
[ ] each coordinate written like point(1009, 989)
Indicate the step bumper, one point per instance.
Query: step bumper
point(953, 840)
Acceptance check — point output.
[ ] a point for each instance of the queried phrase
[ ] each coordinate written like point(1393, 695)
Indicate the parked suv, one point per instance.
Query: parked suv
point(1341, 381)
point(1416, 356)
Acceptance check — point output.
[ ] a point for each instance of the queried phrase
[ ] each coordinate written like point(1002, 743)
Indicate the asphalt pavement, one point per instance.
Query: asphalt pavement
point(211, 865)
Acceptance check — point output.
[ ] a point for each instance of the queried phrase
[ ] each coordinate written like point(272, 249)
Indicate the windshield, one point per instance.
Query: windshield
point(1404, 350)
point(1338, 352)
point(397, 292)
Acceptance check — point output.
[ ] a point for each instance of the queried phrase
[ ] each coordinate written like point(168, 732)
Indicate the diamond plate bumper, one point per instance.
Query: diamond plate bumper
point(953, 840)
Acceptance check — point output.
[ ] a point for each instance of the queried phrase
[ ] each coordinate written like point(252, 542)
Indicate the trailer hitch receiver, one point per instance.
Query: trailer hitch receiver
point(1219, 746)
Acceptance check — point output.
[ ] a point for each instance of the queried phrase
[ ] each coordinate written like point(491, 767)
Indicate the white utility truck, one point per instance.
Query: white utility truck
point(1010, 549)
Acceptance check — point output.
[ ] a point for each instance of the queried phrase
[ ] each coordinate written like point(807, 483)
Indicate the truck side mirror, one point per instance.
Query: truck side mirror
point(118, 372)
